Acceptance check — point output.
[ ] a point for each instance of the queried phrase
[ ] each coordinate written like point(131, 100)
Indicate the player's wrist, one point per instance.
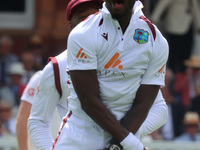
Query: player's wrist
point(132, 142)
point(114, 145)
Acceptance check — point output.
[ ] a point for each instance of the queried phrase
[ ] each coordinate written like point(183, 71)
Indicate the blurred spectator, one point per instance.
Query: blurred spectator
point(36, 46)
point(196, 45)
point(176, 110)
point(8, 122)
point(13, 91)
point(156, 135)
point(178, 27)
point(27, 58)
point(187, 83)
point(191, 124)
point(6, 58)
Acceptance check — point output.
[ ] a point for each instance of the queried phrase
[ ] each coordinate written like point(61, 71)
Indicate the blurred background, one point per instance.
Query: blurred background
point(33, 30)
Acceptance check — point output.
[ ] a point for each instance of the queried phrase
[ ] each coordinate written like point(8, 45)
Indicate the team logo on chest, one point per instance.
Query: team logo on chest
point(141, 36)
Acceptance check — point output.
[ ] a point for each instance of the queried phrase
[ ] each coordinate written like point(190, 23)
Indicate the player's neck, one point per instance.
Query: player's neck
point(124, 22)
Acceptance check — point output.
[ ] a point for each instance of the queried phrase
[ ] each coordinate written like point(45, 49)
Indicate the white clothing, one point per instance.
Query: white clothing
point(31, 87)
point(123, 84)
point(89, 47)
point(179, 15)
point(45, 102)
point(157, 116)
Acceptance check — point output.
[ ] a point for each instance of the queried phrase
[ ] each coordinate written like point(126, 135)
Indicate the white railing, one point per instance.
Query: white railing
point(10, 143)
point(165, 145)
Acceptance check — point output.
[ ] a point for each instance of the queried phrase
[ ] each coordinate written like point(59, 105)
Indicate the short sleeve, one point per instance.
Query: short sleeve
point(31, 87)
point(155, 73)
point(81, 52)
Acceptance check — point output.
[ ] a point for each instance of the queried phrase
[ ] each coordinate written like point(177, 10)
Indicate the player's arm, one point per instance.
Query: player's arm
point(21, 125)
point(24, 111)
point(42, 111)
point(144, 99)
point(156, 118)
point(87, 88)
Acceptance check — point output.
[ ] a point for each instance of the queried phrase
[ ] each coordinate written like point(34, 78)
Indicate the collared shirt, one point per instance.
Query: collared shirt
point(123, 61)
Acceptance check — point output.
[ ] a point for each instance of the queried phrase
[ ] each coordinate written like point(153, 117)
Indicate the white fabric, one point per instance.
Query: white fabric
point(157, 117)
point(167, 129)
point(179, 15)
point(79, 134)
point(45, 102)
point(117, 87)
point(31, 87)
point(132, 143)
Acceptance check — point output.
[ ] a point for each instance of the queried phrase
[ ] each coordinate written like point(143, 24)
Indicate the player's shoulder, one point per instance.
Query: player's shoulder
point(62, 60)
point(86, 28)
point(62, 57)
point(37, 75)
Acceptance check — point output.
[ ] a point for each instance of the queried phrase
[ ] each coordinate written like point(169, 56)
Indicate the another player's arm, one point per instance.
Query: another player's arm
point(21, 125)
point(87, 88)
point(134, 118)
point(144, 99)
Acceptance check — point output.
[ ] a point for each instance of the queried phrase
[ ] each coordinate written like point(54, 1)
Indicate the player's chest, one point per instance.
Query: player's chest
point(117, 51)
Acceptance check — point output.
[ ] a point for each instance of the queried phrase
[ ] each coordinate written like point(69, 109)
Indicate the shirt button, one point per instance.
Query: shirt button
point(118, 28)
point(122, 39)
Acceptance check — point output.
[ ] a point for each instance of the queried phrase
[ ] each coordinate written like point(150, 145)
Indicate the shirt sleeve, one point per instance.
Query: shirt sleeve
point(156, 118)
point(31, 87)
point(81, 52)
point(155, 73)
point(42, 112)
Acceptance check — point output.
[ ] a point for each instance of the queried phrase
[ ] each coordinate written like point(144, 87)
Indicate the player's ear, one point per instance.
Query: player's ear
point(71, 26)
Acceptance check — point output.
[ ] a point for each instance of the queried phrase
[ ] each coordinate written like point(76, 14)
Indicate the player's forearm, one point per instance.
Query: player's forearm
point(40, 134)
point(87, 88)
point(156, 118)
point(140, 108)
point(22, 135)
point(21, 125)
point(103, 117)
point(134, 118)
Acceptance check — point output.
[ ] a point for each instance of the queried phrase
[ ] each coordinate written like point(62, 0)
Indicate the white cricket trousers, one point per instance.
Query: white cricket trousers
point(79, 134)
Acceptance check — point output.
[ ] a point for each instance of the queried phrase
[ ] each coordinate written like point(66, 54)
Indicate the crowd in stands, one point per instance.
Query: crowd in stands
point(179, 21)
point(182, 90)
point(15, 72)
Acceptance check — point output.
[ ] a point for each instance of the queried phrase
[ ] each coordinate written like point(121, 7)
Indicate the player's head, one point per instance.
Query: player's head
point(78, 10)
point(120, 8)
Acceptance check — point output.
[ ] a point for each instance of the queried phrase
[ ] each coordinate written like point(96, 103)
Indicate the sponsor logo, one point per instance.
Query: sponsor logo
point(31, 91)
point(114, 62)
point(81, 54)
point(38, 90)
point(141, 36)
point(161, 72)
point(81, 57)
point(105, 36)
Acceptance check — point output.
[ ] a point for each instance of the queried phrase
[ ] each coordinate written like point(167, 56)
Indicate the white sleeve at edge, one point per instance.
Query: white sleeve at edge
point(42, 112)
point(31, 87)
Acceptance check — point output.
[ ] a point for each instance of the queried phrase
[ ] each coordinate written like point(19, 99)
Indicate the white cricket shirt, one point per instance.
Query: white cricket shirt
point(31, 87)
point(45, 102)
point(123, 61)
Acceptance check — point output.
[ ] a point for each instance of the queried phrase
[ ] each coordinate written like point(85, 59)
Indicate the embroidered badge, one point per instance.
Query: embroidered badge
point(141, 36)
